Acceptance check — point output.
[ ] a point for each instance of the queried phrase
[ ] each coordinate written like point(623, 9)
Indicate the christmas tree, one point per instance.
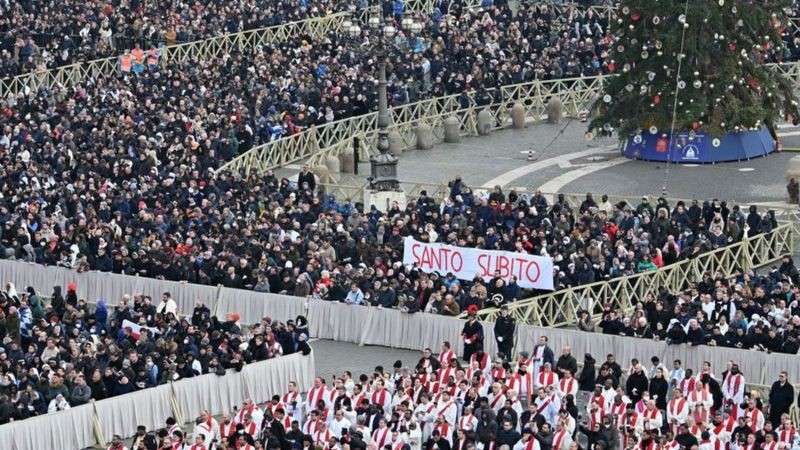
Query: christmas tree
point(704, 60)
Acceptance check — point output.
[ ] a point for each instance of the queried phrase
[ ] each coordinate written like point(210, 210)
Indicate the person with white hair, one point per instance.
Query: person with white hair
point(547, 377)
point(653, 419)
point(59, 403)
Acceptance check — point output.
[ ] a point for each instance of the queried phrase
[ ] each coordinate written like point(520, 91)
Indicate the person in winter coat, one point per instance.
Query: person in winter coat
point(675, 332)
point(98, 386)
point(6, 409)
point(781, 396)
point(593, 434)
point(611, 324)
point(544, 436)
point(504, 328)
point(72, 294)
point(694, 334)
point(303, 286)
point(585, 322)
point(788, 269)
point(588, 374)
point(609, 432)
point(13, 325)
point(659, 388)
point(57, 301)
point(508, 435)
point(36, 303)
point(81, 392)
point(753, 221)
point(636, 384)
point(714, 388)
point(486, 429)
point(101, 313)
point(585, 274)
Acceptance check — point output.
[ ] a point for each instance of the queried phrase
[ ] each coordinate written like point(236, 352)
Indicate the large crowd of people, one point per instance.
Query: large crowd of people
point(40, 37)
point(283, 88)
point(536, 402)
point(750, 311)
point(44, 35)
point(108, 174)
point(118, 175)
point(58, 351)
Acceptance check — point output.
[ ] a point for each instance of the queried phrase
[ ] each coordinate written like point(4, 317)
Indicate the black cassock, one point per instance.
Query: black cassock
point(473, 337)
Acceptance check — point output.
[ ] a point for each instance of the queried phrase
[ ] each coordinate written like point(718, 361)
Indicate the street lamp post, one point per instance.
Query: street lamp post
point(383, 166)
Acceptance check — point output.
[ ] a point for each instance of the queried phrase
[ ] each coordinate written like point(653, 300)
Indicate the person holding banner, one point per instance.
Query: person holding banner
point(523, 270)
point(472, 334)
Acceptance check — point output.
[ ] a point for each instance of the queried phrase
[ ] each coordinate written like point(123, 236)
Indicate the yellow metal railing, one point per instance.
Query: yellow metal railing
point(561, 308)
point(320, 142)
point(218, 46)
point(179, 53)
point(214, 47)
point(317, 143)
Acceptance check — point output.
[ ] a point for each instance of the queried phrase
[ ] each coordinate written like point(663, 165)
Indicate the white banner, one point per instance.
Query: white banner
point(532, 272)
point(136, 328)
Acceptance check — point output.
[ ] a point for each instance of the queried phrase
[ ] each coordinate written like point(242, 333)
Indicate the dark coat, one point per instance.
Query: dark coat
point(636, 384)
point(567, 362)
point(588, 374)
point(658, 390)
point(781, 397)
point(504, 327)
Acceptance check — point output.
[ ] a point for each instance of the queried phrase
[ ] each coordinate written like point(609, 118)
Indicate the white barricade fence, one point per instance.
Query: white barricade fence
point(74, 428)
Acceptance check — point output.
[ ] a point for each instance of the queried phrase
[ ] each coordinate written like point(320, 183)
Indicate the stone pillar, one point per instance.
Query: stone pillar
point(424, 136)
point(382, 200)
point(346, 162)
point(555, 110)
point(323, 176)
point(793, 172)
point(518, 115)
point(484, 122)
point(794, 169)
point(593, 112)
point(452, 131)
point(395, 143)
point(332, 163)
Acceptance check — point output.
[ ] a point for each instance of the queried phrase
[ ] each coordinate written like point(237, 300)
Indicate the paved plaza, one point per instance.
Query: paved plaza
point(333, 358)
point(564, 161)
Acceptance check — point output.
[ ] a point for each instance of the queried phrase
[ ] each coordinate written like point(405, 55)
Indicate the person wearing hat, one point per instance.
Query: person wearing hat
point(59, 403)
point(504, 327)
point(472, 334)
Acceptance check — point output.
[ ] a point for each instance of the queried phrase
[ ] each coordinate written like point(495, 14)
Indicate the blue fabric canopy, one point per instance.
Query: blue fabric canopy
point(698, 148)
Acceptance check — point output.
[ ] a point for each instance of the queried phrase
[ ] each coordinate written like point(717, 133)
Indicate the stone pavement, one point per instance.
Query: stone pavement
point(565, 162)
point(333, 358)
